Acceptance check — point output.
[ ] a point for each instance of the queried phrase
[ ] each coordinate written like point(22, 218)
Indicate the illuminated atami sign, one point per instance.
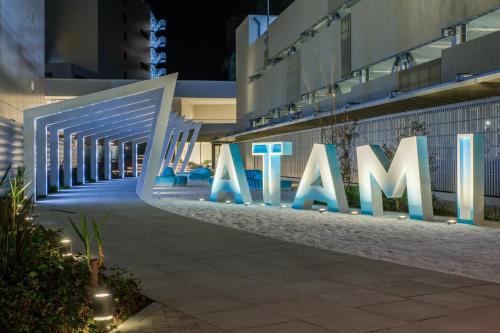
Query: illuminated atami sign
point(322, 179)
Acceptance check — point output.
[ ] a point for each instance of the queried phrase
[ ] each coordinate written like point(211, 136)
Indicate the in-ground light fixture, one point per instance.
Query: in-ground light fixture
point(452, 221)
point(322, 210)
point(66, 248)
point(354, 212)
point(103, 309)
point(402, 217)
point(247, 204)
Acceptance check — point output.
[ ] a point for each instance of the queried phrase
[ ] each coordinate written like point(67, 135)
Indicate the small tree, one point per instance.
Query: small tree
point(409, 129)
point(338, 130)
point(94, 264)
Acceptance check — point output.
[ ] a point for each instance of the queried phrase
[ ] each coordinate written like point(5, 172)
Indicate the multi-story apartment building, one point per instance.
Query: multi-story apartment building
point(381, 63)
point(99, 39)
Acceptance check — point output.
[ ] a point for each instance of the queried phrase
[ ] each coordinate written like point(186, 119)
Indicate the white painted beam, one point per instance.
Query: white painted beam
point(189, 151)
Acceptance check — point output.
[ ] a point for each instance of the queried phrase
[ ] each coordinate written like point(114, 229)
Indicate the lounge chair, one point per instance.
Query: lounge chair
point(199, 175)
point(168, 178)
point(254, 178)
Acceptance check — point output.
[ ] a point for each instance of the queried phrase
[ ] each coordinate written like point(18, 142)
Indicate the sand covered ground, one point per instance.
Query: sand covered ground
point(460, 249)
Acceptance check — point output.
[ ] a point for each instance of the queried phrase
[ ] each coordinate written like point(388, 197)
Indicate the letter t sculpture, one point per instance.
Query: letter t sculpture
point(271, 173)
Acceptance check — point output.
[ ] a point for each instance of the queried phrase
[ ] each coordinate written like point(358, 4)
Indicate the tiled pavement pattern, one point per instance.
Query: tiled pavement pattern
point(160, 318)
point(243, 282)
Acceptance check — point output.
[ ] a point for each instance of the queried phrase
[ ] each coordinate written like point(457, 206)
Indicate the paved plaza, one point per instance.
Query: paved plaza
point(232, 280)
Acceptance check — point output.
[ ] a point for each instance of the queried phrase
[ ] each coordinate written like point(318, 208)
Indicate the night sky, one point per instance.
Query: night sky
point(200, 33)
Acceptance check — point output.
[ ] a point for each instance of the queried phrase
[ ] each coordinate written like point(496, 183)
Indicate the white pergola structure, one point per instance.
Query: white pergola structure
point(136, 113)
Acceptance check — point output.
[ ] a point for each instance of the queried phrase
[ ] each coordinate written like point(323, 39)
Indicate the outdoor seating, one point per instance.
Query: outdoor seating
point(199, 175)
point(254, 178)
point(169, 178)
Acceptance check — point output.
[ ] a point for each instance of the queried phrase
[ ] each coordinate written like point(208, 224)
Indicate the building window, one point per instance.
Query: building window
point(345, 46)
point(145, 34)
point(125, 36)
point(145, 66)
point(124, 17)
point(125, 56)
point(125, 75)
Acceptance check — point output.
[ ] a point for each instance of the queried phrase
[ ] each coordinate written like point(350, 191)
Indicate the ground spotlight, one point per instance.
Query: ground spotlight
point(322, 210)
point(66, 247)
point(103, 309)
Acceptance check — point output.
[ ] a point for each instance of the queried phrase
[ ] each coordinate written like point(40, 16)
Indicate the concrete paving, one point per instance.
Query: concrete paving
point(243, 282)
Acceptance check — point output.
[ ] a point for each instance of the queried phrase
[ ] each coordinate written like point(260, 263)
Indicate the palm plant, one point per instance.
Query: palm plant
point(87, 238)
point(16, 218)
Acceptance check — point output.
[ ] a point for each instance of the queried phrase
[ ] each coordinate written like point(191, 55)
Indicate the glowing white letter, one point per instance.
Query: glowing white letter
point(470, 178)
point(271, 170)
point(230, 176)
point(322, 181)
point(409, 169)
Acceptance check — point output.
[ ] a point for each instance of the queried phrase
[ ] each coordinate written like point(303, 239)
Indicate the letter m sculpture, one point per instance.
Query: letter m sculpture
point(409, 170)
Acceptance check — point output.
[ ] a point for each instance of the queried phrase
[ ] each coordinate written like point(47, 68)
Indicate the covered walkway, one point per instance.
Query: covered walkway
point(245, 282)
point(135, 113)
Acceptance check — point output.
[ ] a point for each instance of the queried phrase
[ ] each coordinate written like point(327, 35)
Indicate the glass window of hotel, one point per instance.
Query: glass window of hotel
point(484, 25)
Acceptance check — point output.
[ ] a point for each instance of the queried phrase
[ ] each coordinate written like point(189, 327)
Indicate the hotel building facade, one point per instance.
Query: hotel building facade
point(382, 64)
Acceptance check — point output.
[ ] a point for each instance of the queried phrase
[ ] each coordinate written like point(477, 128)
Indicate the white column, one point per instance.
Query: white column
point(189, 151)
point(184, 138)
point(80, 159)
point(173, 144)
point(93, 159)
point(152, 159)
point(121, 159)
point(134, 159)
point(107, 159)
point(54, 159)
point(41, 158)
point(68, 157)
point(29, 155)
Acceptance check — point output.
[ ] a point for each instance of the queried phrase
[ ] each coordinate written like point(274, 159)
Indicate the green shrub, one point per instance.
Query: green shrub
point(125, 289)
point(43, 292)
point(352, 193)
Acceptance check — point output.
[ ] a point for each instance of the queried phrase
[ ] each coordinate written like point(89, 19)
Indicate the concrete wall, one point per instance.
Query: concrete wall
point(72, 32)
point(21, 72)
point(91, 34)
point(242, 60)
point(320, 59)
point(383, 28)
point(298, 17)
point(471, 57)
point(112, 44)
